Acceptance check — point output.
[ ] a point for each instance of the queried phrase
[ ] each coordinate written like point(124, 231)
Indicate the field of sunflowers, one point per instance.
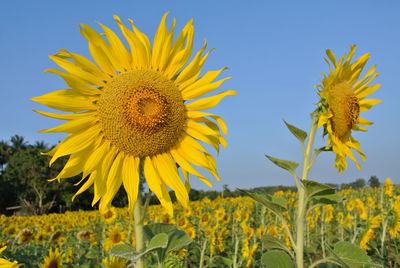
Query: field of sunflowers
point(226, 232)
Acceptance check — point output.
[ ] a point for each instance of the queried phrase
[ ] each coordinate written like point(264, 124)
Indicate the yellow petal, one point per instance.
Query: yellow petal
point(74, 69)
point(97, 156)
point(160, 43)
point(74, 165)
point(185, 165)
point(190, 73)
point(100, 186)
point(99, 49)
point(75, 125)
point(365, 105)
point(65, 116)
point(197, 115)
point(157, 186)
point(365, 91)
point(120, 54)
point(169, 174)
point(191, 93)
point(75, 143)
point(66, 100)
point(209, 102)
point(86, 185)
point(211, 140)
point(181, 50)
point(76, 83)
point(364, 122)
point(85, 64)
point(114, 181)
point(139, 57)
point(205, 130)
point(130, 179)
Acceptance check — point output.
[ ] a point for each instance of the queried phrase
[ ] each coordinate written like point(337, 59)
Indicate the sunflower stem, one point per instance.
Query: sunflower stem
point(301, 215)
point(138, 214)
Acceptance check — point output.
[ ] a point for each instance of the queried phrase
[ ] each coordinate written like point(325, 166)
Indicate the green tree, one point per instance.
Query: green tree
point(374, 182)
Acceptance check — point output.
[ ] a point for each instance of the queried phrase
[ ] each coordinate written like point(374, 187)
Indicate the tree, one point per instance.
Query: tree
point(26, 179)
point(5, 152)
point(18, 143)
point(374, 182)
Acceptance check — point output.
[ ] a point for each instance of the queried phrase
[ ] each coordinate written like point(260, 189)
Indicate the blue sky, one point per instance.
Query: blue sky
point(274, 50)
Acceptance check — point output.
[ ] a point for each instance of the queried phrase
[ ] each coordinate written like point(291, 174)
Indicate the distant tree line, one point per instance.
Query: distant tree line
point(24, 185)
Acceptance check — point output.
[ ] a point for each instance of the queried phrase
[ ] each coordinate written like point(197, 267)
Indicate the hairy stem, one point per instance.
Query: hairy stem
point(138, 213)
point(302, 202)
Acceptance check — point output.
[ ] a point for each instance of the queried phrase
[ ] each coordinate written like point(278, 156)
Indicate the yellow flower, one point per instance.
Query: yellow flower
point(7, 264)
point(362, 211)
point(368, 236)
point(114, 262)
point(115, 236)
point(70, 255)
point(342, 100)
point(25, 236)
point(53, 260)
point(136, 105)
point(328, 213)
point(86, 235)
point(109, 216)
point(388, 187)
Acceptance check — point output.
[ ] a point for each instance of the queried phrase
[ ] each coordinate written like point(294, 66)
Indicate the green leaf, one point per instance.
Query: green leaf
point(124, 251)
point(285, 164)
point(271, 242)
point(329, 199)
point(276, 259)
point(158, 241)
point(314, 188)
point(300, 134)
point(276, 204)
point(151, 230)
point(352, 255)
point(178, 240)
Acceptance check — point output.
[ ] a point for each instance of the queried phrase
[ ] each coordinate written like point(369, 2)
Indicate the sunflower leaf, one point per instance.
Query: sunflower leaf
point(276, 204)
point(285, 164)
point(314, 188)
point(352, 255)
point(124, 251)
point(271, 242)
point(276, 259)
point(300, 134)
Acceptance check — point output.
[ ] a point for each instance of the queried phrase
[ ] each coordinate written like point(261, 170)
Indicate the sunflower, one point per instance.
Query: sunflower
point(6, 263)
point(136, 109)
point(343, 96)
point(53, 260)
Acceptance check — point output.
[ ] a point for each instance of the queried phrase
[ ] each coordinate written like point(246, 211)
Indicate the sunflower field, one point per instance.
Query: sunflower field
point(136, 118)
point(225, 232)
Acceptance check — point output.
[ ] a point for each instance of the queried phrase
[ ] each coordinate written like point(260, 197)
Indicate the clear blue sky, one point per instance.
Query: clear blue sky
point(275, 53)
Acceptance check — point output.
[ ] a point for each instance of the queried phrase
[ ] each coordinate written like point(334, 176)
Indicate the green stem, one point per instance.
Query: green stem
point(236, 251)
point(302, 202)
point(203, 252)
point(138, 214)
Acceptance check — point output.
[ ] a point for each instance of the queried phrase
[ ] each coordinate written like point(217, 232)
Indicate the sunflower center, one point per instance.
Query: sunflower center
point(345, 108)
point(142, 113)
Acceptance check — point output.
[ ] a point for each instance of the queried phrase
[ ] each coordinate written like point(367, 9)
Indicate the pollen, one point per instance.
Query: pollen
point(345, 109)
point(142, 113)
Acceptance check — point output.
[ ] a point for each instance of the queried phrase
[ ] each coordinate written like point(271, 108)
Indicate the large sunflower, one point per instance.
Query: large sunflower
point(343, 95)
point(134, 109)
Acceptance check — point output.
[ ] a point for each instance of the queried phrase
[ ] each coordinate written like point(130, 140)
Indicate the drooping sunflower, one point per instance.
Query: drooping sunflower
point(343, 97)
point(136, 109)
